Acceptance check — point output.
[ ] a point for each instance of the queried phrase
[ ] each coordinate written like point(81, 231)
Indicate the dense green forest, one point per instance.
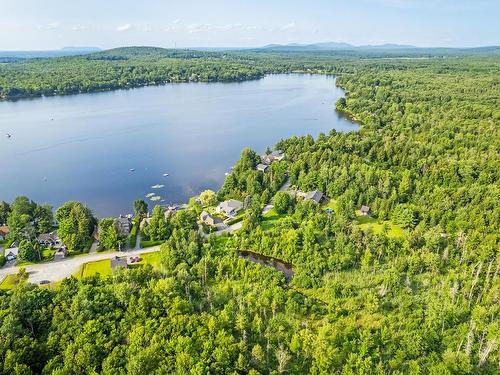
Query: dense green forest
point(129, 67)
point(424, 302)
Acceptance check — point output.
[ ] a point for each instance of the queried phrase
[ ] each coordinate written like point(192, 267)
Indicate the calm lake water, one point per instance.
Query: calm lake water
point(82, 147)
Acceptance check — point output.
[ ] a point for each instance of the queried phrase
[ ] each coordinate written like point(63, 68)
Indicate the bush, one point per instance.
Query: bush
point(234, 220)
point(2, 260)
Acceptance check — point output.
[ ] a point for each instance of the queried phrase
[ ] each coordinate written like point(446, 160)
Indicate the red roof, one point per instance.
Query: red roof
point(4, 230)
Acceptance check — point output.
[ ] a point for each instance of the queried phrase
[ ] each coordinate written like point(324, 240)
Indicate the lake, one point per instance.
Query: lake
point(82, 147)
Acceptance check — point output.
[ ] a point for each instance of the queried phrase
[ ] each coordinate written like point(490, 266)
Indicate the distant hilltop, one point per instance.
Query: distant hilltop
point(66, 51)
point(334, 46)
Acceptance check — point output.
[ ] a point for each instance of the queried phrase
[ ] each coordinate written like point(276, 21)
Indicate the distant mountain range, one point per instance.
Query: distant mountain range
point(334, 46)
point(66, 51)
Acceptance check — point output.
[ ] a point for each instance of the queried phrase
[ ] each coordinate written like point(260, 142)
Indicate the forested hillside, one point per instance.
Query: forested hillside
point(419, 295)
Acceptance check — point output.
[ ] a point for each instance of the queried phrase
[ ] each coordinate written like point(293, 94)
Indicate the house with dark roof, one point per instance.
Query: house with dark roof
point(118, 262)
point(49, 239)
point(209, 219)
point(365, 210)
point(11, 254)
point(262, 167)
point(272, 157)
point(230, 207)
point(315, 196)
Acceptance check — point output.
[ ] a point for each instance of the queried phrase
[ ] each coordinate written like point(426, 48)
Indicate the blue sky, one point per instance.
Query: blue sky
point(52, 24)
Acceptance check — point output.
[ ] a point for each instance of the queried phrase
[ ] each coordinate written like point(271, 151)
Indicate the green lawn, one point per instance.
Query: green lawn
point(332, 203)
point(9, 282)
point(270, 218)
point(151, 258)
point(102, 267)
point(367, 222)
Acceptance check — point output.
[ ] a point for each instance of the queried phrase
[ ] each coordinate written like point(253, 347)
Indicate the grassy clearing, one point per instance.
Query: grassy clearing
point(151, 258)
point(102, 267)
point(332, 203)
point(270, 218)
point(377, 226)
point(9, 282)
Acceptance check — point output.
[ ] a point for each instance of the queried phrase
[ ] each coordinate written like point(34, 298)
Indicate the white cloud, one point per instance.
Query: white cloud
point(288, 26)
point(176, 21)
point(79, 27)
point(50, 26)
point(124, 27)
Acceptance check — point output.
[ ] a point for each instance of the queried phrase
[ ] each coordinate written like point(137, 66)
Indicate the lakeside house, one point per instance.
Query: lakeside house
point(277, 155)
point(365, 210)
point(119, 262)
point(124, 224)
point(49, 239)
point(209, 219)
point(4, 231)
point(262, 167)
point(230, 207)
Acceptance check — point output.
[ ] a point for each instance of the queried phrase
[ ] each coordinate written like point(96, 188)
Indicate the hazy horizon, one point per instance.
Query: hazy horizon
point(28, 25)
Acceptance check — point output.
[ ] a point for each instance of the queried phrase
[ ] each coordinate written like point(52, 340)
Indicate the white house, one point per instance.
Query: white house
point(230, 207)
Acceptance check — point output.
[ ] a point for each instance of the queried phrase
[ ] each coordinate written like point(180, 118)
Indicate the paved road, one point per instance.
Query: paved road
point(286, 186)
point(55, 271)
point(267, 208)
point(93, 247)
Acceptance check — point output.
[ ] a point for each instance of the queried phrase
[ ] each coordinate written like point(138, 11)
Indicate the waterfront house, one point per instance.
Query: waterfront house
point(262, 167)
point(365, 210)
point(230, 207)
point(209, 219)
point(272, 157)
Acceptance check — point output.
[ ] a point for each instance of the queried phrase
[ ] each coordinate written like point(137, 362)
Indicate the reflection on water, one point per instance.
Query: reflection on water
point(108, 149)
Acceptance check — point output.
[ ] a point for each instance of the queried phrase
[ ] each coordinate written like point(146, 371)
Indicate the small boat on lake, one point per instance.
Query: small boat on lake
point(149, 195)
point(132, 169)
point(8, 135)
point(165, 174)
point(157, 186)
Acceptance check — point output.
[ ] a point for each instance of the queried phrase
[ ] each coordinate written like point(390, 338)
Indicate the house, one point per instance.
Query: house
point(171, 210)
point(365, 210)
point(49, 239)
point(11, 254)
point(124, 224)
point(262, 167)
point(118, 262)
point(315, 196)
point(60, 254)
point(209, 219)
point(230, 207)
point(4, 231)
point(272, 157)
